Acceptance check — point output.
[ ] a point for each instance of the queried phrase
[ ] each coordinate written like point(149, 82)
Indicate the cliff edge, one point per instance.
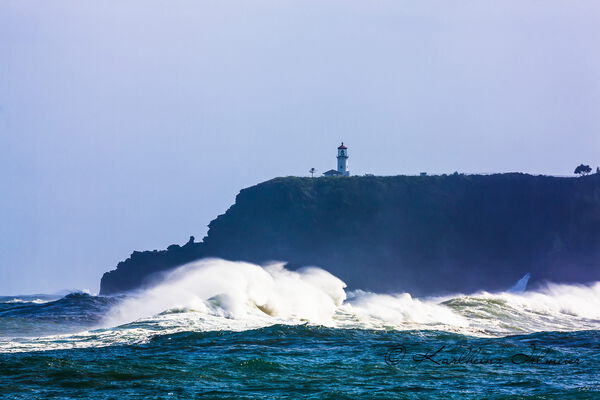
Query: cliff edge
point(421, 234)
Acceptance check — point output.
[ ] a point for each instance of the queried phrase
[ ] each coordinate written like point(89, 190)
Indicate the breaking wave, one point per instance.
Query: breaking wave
point(215, 294)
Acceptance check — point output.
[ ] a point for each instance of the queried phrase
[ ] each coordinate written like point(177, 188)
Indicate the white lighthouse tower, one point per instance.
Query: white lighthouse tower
point(342, 160)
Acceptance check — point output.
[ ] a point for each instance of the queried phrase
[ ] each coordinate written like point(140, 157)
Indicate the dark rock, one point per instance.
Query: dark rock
point(424, 235)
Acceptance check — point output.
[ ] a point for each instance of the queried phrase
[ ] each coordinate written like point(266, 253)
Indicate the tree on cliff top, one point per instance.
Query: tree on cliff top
point(583, 169)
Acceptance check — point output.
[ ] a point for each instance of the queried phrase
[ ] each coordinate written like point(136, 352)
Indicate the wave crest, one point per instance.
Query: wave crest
point(248, 295)
point(239, 290)
point(214, 294)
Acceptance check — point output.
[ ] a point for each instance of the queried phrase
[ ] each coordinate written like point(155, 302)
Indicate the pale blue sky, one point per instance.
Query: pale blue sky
point(129, 125)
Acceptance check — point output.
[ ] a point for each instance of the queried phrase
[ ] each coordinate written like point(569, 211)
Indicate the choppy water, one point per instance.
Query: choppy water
point(217, 329)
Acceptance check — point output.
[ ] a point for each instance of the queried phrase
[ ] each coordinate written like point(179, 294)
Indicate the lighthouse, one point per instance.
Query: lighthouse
point(342, 160)
point(342, 163)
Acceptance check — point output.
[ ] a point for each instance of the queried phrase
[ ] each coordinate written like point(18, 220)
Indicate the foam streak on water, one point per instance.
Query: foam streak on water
point(217, 295)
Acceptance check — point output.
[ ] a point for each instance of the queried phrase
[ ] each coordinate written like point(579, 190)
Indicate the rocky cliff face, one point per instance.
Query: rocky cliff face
point(424, 235)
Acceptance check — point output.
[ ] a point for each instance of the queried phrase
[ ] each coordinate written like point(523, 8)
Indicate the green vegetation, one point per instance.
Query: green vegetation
point(582, 169)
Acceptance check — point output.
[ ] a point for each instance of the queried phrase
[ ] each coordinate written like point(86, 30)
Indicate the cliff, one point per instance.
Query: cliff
point(421, 234)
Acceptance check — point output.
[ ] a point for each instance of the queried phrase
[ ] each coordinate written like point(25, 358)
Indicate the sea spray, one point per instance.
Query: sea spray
point(240, 294)
point(219, 295)
point(402, 309)
point(554, 307)
point(239, 290)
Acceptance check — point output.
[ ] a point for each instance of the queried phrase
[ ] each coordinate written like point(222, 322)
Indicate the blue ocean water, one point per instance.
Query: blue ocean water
point(305, 362)
point(279, 338)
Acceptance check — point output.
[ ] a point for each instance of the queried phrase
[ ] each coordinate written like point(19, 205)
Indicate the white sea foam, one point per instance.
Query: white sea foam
point(242, 294)
point(215, 294)
point(23, 301)
point(237, 290)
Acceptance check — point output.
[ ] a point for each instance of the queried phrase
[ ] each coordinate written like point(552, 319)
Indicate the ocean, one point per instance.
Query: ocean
point(216, 329)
